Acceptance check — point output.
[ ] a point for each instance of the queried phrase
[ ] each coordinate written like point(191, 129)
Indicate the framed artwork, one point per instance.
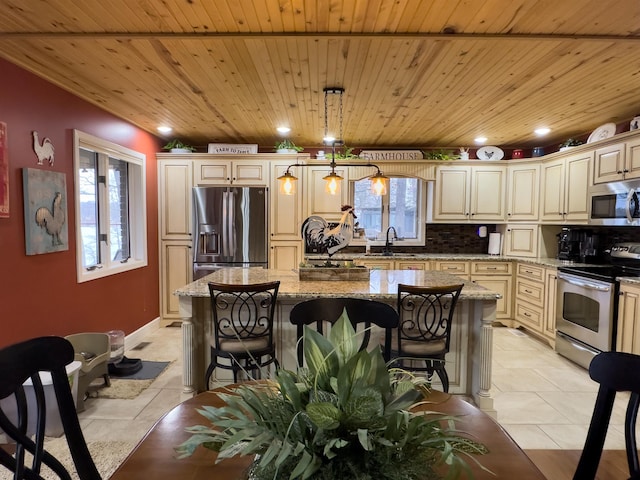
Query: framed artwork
point(45, 211)
point(4, 172)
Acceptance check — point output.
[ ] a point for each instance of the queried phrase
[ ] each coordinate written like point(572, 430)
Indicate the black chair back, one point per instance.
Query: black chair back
point(22, 410)
point(319, 312)
point(242, 326)
point(424, 330)
point(615, 372)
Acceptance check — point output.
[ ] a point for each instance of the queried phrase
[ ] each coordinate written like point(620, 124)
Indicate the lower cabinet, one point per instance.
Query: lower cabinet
point(628, 339)
point(550, 297)
point(459, 268)
point(285, 255)
point(377, 264)
point(176, 271)
point(533, 298)
point(497, 276)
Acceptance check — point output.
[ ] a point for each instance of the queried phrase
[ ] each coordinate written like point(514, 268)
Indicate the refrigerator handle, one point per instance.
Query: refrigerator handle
point(225, 224)
point(232, 224)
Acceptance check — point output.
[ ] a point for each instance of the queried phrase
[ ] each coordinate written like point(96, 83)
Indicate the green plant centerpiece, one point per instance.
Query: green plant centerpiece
point(345, 416)
point(569, 142)
point(176, 144)
point(287, 146)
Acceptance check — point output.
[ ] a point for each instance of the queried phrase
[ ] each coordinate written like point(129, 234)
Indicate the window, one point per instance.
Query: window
point(401, 208)
point(110, 208)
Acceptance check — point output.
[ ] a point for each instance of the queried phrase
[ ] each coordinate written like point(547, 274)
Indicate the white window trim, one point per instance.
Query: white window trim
point(422, 216)
point(137, 206)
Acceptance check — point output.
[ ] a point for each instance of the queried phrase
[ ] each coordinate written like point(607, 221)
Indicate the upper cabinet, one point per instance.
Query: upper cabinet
point(319, 201)
point(285, 210)
point(620, 161)
point(470, 193)
point(231, 172)
point(523, 189)
point(564, 185)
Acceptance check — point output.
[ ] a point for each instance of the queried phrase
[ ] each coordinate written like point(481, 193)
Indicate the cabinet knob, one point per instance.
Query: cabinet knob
point(508, 214)
point(625, 171)
point(619, 172)
point(472, 214)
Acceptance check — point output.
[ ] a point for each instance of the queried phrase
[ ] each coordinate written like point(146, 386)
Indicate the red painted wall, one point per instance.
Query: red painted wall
point(39, 294)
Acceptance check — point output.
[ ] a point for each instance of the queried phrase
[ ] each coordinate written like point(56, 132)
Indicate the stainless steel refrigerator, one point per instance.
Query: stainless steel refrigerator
point(230, 228)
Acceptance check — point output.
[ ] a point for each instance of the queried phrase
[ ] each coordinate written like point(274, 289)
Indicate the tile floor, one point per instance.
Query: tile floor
point(543, 400)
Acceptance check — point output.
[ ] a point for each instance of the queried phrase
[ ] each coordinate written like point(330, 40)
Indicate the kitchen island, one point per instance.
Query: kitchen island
point(468, 362)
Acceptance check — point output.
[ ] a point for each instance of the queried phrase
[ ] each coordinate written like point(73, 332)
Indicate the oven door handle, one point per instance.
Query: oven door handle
point(583, 284)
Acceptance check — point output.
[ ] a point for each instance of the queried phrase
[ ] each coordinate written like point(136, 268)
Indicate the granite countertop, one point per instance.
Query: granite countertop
point(629, 280)
point(544, 261)
point(382, 284)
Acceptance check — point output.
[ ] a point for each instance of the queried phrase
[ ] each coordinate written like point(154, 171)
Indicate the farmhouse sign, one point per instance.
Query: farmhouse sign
point(232, 148)
point(380, 155)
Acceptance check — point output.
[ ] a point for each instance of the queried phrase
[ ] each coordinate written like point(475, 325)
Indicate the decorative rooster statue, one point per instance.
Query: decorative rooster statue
point(318, 230)
point(52, 222)
point(44, 151)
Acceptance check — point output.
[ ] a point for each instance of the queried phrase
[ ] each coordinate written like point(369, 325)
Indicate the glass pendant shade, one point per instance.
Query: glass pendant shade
point(332, 186)
point(379, 184)
point(287, 183)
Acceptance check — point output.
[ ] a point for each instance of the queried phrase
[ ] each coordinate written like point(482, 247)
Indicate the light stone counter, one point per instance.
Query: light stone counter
point(468, 362)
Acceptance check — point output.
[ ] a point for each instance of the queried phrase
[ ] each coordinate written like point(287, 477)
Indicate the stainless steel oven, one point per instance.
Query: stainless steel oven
point(587, 304)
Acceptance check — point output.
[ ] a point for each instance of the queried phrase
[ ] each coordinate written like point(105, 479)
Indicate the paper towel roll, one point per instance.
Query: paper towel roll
point(494, 243)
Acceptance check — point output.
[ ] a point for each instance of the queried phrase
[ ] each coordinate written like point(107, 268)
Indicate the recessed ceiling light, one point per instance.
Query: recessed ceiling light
point(542, 131)
point(283, 129)
point(480, 139)
point(164, 129)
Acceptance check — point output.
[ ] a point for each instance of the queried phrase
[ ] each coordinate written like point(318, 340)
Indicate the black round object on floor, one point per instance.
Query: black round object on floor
point(125, 367)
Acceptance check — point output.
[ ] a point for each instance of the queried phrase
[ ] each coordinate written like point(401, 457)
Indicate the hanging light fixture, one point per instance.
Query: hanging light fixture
point(379, 181)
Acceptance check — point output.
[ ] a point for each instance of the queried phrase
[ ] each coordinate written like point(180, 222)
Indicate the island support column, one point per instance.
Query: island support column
point(484, 316)
point(194, 312)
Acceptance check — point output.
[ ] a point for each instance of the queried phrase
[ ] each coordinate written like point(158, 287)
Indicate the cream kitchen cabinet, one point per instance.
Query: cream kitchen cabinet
point(176, 270)
point(213, 171)
point(497, 276)
point(460, 269)
point(285, 210)
point(523, 187)
point(376, 264)
point(319, 201)
point(476, 194)
point(174, 199)
point(550, 296)
point(521, 240)
point(617, 162)
point(628, 338)
point(412, 265)
point(564, 184)
point(529, 297)
point(285, 255)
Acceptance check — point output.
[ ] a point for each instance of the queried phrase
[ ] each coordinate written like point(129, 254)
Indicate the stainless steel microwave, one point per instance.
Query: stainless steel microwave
point(615, 203)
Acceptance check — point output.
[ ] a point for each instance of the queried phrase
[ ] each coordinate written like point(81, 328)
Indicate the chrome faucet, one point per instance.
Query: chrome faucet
point(387, 246)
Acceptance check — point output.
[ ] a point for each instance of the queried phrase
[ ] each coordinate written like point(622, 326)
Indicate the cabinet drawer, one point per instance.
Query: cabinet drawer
point(530, 292)
point(491, 268)
point(455, 268)
point(409, 265)
point(531, 272)
point(529, 315)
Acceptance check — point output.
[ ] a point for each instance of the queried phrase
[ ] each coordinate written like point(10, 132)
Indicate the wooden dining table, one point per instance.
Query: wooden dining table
point(154, 458)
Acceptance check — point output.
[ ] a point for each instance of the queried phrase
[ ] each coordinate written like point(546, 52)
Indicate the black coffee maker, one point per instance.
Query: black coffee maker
point(569, 244)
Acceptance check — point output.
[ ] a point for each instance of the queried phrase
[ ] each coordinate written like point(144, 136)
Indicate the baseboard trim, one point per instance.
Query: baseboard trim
point(134, 338)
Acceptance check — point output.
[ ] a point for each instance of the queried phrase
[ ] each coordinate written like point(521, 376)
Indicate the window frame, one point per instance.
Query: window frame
point(421, 210)
point(137, 208)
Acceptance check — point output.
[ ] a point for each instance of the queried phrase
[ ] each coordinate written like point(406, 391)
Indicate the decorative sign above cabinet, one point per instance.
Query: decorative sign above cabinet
point(381, 155)
point(232, 148)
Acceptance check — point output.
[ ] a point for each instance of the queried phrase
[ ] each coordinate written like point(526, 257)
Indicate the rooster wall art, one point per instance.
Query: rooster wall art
point(316, 229)
point(52, 220)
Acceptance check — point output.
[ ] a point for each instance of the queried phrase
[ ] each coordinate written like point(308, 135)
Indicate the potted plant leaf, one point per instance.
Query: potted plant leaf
point(568, 143)
point(177, 146)
point(287, 146)
point(347, 415)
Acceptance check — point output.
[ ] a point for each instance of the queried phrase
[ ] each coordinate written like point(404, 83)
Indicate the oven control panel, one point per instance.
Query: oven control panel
point(626, 250)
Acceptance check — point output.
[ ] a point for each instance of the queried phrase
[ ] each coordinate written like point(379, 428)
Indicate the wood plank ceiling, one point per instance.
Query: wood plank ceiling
point(415, 73)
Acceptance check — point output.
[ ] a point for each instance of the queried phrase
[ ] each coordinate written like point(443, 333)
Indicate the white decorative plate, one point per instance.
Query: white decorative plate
point(603, 131)
point(490, 153)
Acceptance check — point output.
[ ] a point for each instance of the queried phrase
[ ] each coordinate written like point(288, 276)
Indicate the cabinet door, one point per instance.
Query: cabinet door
point(376, 264)
point(285, 210)
point(411, 265)
point(523, 192)
point(174, 202)
point(488, 187)
point(176, 270)
point(550, 292)
point(628, 329)
point(632, 158)
point(577, 174)
point(609, 163)
point(458, 268)
point(502, 285)
point(452, 193)
point(285, 255)
point(212, 172)
point(521, 240)
point(254, 173)
point(552, 199)
point(320, 202)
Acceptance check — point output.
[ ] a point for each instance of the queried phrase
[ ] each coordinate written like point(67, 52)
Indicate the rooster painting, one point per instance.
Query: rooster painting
point(44, 151)
point(52, 221)
point(316, 229)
